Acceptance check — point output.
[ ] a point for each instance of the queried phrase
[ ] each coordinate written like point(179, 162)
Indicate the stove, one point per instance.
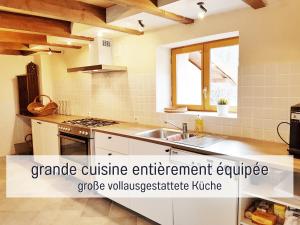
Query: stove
point(82, 127)
point(76, 136)
point(90, 122)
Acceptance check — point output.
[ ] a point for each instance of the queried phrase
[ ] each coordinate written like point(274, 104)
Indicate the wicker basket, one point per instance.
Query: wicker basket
point(38, 109)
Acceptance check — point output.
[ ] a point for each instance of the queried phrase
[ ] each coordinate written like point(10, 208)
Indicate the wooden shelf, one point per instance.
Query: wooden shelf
point(291, 202)
point(245, 221)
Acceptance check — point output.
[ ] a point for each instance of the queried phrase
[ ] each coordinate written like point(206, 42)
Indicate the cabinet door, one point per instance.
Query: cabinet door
point(111, 142)
point(123, 201)
point(212, 211)
point(50, 139)
point(37, 137)
point(101, 151)
point(137, 147)
point(44, 138)
point(156, 209)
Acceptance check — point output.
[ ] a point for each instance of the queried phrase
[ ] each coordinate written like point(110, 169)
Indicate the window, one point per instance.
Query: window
point(203, 73)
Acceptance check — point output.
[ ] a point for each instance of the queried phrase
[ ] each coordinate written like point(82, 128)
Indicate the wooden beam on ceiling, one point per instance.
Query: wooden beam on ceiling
point(10, 52)
point(68, 10)
point(23, 52)
point(30, 39)
point(35, 24)
point(25, 47)
point(13, 46)
point(150, 6)
point(255, 4)
point(30, 52)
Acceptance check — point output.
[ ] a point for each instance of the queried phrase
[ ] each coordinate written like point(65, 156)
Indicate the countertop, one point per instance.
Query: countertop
point(231, 146)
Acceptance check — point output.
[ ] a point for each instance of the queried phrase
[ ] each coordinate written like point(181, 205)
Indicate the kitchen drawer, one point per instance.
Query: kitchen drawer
point(123, 201)
point(101, 151)
point(112, 142)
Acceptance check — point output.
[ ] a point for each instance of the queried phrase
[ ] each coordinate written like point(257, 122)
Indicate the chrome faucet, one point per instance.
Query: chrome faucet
point(184, 129)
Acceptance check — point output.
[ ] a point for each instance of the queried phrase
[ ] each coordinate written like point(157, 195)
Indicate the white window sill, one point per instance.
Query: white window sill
point(209, 114)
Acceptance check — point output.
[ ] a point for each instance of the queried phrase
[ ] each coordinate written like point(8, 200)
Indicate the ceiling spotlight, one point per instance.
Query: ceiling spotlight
point(203, 10)
point(142, 26)
point(50, 51)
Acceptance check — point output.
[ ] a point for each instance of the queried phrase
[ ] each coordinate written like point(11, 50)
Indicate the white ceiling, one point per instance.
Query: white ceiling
point(187, 8)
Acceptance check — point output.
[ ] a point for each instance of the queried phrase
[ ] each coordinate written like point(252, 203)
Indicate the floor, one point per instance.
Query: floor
point(35, 211)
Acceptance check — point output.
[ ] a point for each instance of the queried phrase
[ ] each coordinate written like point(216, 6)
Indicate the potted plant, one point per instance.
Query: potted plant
point(222, 107)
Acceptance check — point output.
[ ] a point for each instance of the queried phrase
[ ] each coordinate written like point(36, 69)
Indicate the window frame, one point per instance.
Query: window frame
point(180, 50)
point(205, 48)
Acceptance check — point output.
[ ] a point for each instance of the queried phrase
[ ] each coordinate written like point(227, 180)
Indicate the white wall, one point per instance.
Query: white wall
point(269, 75)
point(12, 129)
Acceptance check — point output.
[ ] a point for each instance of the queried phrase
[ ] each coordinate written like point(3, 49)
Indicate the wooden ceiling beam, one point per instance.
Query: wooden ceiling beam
point(68, 10)
point(13, 46)
point(255, 4)
point(30, 52)
point(30, 39)
point(24, 52)
point(36, 24)
point(150, 6)
point(10, 52)
point(24, 47)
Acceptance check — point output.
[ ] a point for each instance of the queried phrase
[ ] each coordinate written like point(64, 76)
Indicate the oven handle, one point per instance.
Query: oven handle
point(72, 139)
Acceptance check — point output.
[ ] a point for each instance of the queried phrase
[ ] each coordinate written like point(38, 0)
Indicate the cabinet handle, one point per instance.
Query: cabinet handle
point(109, 137)
point(174, 152)
point(167, 150)
point(109, 154)
point(39, 122)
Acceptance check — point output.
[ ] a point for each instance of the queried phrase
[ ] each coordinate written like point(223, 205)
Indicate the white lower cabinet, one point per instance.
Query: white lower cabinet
point(156, 209)
point(204, 211)
point(201, 211)
point(123, 201)
point(111, 142)
point(44, 138)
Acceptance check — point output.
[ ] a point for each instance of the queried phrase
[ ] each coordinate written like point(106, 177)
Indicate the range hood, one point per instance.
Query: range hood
point(99, 59)
point(97, 69)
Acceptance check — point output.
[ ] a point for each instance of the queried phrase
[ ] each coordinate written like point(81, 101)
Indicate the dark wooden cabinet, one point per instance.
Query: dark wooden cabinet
point(23, 95)
point(28, 87)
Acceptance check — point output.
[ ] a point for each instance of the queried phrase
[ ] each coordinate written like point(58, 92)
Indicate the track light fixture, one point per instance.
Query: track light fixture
point(142, 25)
point(50, 51)
point(203, 10)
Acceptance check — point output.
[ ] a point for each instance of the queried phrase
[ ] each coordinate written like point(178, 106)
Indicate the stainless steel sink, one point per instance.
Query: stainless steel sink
point(176, 136)
point(202, 141)
point(163, 133)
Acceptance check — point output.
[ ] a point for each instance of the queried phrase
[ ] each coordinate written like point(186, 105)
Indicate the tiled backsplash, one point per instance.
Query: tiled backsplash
point(266, 93)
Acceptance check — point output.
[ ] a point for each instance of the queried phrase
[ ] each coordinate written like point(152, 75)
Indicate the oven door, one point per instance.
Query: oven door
point(73, 145)
point(75, 150)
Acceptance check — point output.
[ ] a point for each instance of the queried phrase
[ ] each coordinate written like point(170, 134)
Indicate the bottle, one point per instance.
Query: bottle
point(199, 125)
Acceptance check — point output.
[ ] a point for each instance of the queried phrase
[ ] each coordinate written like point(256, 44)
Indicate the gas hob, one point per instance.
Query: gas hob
point(82, 127)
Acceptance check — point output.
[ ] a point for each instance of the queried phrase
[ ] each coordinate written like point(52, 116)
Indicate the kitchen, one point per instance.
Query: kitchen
point(136, 39)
